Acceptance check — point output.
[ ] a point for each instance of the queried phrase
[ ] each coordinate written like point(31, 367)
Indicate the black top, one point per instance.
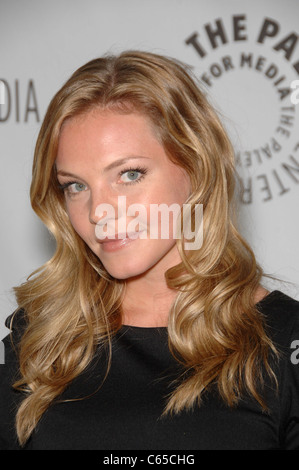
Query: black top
point(125, 413)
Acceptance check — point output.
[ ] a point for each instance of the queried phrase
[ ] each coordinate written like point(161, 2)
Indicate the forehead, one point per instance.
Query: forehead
point(99, 137)
point(106, 128)
point(109, 121)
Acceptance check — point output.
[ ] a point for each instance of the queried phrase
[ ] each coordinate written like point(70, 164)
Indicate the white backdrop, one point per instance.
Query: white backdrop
point(245, 52)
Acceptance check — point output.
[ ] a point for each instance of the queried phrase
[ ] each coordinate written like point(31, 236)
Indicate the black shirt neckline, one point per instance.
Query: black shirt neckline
point(125, 327)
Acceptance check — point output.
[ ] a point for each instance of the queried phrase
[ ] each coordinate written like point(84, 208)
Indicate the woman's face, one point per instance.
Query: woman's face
point(104, 155)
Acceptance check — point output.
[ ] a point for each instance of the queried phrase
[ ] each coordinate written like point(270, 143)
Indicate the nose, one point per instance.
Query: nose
point(109, 218)
point(105, 206)
point(97, 201)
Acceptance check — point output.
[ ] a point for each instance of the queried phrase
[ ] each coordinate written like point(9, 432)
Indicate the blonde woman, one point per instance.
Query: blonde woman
point(125, 340)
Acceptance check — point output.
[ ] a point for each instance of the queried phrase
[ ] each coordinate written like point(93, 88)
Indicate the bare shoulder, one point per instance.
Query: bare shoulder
point(260, 294)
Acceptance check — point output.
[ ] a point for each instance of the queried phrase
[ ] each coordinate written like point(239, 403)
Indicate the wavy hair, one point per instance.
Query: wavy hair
point(72, 305)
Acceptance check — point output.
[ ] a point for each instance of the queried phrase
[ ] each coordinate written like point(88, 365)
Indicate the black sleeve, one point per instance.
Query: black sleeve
point(10, 398)
point(287, 335)
point(290, 392)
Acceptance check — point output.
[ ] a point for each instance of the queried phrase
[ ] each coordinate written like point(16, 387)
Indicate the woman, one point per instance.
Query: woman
point(127, 341)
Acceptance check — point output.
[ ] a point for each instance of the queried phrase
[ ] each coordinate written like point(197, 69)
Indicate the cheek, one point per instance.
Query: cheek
point(77, 219)
point(175, 187)
point(180, 188)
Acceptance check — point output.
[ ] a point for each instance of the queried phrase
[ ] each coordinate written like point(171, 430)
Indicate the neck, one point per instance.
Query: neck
point(147, 302)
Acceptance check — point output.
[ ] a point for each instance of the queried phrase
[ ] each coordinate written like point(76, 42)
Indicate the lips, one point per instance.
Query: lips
point(119, 241)
point(120, 236)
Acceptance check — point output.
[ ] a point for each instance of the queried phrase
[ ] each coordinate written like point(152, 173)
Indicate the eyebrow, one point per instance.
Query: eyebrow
point(112, 165)
point(121, 161)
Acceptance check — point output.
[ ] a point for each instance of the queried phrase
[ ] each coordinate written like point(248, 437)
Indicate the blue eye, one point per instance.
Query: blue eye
point(72, 187)
point(77, 187)
point(132, 175)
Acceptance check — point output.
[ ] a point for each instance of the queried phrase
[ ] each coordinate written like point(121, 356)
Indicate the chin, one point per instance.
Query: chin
point(129, 267)
point(125, 271)
point(130, 264)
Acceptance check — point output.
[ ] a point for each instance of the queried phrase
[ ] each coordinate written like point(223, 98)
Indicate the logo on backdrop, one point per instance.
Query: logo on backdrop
point(18, 101)
point(251, 69)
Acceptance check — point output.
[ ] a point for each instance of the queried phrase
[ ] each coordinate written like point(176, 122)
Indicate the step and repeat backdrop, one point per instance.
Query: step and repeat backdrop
point(246, 54)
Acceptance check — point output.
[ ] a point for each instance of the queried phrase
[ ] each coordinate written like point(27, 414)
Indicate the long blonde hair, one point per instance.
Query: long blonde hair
point(73, 305)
